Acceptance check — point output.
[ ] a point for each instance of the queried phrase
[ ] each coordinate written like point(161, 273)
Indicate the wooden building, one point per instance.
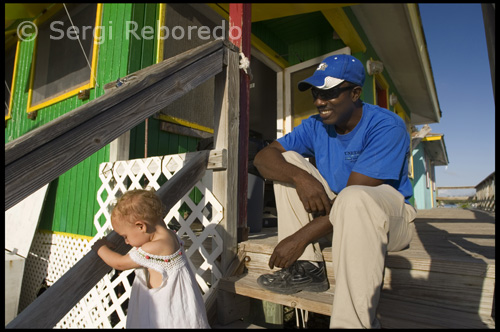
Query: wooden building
point(77, 50)
point(428, 152)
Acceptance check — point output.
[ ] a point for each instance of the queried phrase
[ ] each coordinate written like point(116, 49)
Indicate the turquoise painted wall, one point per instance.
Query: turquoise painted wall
point(422, 194)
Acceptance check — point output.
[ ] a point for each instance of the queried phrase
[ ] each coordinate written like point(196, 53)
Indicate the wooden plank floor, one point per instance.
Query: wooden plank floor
point(445, 279)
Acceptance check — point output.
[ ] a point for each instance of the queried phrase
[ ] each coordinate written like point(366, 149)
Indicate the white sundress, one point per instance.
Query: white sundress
point(176, 303)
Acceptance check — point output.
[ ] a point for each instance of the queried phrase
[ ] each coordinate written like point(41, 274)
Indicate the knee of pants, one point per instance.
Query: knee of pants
point(352, 196)
point(350, 199)
point(290, 156)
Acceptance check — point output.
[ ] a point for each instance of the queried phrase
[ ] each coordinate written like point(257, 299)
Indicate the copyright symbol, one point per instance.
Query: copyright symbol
point(27, 31)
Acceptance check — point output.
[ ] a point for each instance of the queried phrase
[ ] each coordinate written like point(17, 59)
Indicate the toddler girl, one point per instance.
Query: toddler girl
point(164, 293)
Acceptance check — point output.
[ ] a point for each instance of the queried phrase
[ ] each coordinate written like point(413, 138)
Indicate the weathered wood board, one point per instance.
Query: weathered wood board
point(445, 279)
point(51, 150)
point(79, 280)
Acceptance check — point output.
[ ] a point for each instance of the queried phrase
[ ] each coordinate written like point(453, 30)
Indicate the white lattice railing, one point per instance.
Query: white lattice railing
point(105, 305)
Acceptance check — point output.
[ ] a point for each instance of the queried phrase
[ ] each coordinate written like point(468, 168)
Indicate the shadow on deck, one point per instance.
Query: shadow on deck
point(446, 279)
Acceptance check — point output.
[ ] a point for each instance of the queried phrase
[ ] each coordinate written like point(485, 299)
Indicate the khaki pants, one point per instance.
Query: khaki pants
point(367, 223)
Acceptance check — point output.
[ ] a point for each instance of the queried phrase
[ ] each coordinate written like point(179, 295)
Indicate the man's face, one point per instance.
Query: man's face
point(335, 105)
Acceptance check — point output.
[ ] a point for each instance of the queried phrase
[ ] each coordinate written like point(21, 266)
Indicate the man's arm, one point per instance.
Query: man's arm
point(272, 166)
point(291, 248)
point(363, 180)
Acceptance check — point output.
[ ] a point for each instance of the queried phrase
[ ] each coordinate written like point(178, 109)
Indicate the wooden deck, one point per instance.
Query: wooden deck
point(446, 279)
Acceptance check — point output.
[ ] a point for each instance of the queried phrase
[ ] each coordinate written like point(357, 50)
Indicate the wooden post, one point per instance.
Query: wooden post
point(225, 182)
point(226, 128)
point(239, 34)
point(240, 28)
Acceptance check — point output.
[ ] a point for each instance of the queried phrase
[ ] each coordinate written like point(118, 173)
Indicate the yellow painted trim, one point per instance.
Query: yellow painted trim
point(403, 115)
point(64, 96)
point(411, 175)
point(73, 236)
point(383, 82)
point(268, 51)
point(185, 123)
point(162, 10)
point(344, 28)
point(159, 57)
point(95, 49)
point(13, 85)
point(432, 138)
point(380, 79)
point(268, 11)
point(32, 76)
point(219, 10)
point(374, 90)
point(254, 40)
point(90, 84)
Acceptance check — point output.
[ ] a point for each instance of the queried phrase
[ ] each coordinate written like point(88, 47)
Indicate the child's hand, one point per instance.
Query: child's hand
point(102, 242)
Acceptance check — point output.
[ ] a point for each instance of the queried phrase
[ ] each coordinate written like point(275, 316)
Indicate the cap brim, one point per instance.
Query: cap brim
point(323, 83)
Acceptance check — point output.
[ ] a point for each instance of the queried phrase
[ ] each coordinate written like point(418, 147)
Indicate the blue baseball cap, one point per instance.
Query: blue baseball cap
point(334, 70)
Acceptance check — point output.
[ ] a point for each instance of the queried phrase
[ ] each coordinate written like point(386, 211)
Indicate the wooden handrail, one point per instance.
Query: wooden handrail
point(47, 152)
point(462, 187)
point(45, 164)
point(50, 307)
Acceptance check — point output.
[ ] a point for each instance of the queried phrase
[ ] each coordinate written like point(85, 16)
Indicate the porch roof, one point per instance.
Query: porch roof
point(394, 30)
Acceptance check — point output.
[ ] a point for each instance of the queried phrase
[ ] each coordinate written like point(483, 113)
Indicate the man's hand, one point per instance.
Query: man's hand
point(292, 247)
point(312, 194)
point(287, 252)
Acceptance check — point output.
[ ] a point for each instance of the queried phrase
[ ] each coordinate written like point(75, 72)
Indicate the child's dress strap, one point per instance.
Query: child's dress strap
point(157, 262)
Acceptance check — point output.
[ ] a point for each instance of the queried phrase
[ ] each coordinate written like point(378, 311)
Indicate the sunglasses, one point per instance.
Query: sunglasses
point(330, 93)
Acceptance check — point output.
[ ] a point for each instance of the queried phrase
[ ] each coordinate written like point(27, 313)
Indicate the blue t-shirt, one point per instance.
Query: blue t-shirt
point(377, 147)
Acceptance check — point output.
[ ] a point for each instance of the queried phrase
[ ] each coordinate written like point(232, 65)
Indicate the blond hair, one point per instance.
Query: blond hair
point(139, 204)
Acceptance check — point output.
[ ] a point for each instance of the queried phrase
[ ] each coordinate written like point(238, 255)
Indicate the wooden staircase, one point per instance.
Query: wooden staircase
point(445, 279)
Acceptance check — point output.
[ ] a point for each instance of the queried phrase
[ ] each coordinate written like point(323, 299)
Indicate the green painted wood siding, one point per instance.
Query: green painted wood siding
point(142, 54)
point(71, 201)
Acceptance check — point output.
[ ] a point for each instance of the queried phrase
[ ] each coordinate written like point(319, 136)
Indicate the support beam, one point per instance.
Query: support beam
point(240, 25)
point(225, 182)
point(226, 129)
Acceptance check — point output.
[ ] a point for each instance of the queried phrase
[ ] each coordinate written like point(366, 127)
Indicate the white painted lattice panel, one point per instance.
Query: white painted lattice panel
point(52, 255)
point(197, 228)
point(105, 306)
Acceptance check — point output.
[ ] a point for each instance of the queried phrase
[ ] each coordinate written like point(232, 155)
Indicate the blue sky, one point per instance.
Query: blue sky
point(458, 53)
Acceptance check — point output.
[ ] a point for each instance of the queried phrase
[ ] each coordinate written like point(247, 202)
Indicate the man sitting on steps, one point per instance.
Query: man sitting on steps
point(360, 190)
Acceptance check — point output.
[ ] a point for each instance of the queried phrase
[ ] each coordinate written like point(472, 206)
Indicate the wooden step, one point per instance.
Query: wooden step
point(392, 312)
point(246, 285)
point(446, 278)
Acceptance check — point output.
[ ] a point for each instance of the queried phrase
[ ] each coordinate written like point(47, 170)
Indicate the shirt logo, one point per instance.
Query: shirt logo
point(322, 66)
point(351, 156)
